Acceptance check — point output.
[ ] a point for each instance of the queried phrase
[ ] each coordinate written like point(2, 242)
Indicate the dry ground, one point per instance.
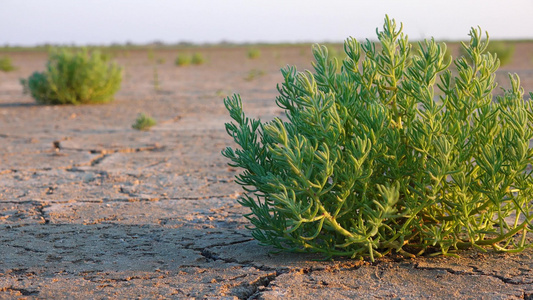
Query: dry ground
point(119, 213)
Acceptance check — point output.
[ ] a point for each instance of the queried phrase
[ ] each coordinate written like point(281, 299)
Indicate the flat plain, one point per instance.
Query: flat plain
point(93, 209)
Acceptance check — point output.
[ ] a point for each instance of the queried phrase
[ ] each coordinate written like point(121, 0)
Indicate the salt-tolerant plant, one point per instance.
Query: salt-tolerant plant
point(156, 82)
point(182, 60)
point(6, 65)
point(369, 161)
point(254, 53)
point(75, 78)
point(143, 122)
point(197, 59)
point(502, 49)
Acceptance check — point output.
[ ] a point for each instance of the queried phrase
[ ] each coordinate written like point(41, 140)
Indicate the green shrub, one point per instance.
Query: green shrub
point(143, 122)
point(503, 50)
point(156, 82)
point(368, 160)
point(182, 60)
point(197, 59)
point(75, 78)
point(254, 53)
point(6, 65)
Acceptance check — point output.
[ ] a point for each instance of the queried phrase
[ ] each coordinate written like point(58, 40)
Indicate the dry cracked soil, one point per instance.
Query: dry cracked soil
point(93, 209)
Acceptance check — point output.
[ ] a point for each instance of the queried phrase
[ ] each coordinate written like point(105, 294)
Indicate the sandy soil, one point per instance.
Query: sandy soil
point(120, 213)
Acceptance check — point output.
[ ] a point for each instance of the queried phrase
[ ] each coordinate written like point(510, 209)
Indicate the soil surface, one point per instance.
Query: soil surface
point(93, 209)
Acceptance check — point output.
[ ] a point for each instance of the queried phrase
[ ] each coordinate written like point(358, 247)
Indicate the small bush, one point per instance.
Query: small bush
point(503, 50)
point(187, 59)
point(368, 161)
point(75, 78)
point(182, 60)
point(143, 122)
point(197, 59)
point(254, 53)
point(6, 65)
point(156, 82)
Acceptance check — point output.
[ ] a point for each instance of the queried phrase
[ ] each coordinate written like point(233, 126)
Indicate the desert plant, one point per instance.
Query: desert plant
point(151, 55)
point(6, 65)
point(143, 122)
point(369, 161)
point(254, 53)
point(182, 60)
point(156, 82)
point(197, 59)
point(503, 50)
point(75, 78)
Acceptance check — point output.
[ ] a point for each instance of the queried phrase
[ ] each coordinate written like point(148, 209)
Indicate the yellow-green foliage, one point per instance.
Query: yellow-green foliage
point(182, 60)
point(5, 64)
point(254, 53)
point(75, 78)
point(197, 59)
point(502, 49)
point(187, 59)
point(143, 122)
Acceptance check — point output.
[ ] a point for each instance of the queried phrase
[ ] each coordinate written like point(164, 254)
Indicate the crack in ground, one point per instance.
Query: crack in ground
point(254, 288)
point(40, 209)
point(22, 291)
point(111, 200)
point(102, 154)
point(250, 289)
point(475, 271)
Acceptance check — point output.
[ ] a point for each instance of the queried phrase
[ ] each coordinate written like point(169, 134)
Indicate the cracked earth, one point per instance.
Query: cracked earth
point(92, 209)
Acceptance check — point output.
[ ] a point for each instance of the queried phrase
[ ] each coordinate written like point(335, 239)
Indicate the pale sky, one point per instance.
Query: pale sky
point(100, 22)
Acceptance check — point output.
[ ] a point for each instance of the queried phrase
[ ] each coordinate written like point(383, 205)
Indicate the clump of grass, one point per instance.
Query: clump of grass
point(254, 53)
point(75, 78)
point(143, 122)
point(503, 50)
point(151, 55)
point(6, 65)
point(156, 82)
point(253, 74)
point(182, 60)
point(197, 59)
point(187, 59)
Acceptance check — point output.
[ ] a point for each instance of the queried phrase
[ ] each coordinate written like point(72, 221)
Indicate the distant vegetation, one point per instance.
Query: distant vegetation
point(504, 50)
point(75, 77)
point(143, 122)
point(187, 59)
point(6, 64)
point(197, 59)
point(182, 60)
point(254, 53)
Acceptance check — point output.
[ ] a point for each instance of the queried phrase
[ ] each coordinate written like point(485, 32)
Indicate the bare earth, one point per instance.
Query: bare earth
point(119, 213)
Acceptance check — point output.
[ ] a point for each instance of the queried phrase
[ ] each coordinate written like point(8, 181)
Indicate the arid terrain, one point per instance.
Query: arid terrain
point(93, 209)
